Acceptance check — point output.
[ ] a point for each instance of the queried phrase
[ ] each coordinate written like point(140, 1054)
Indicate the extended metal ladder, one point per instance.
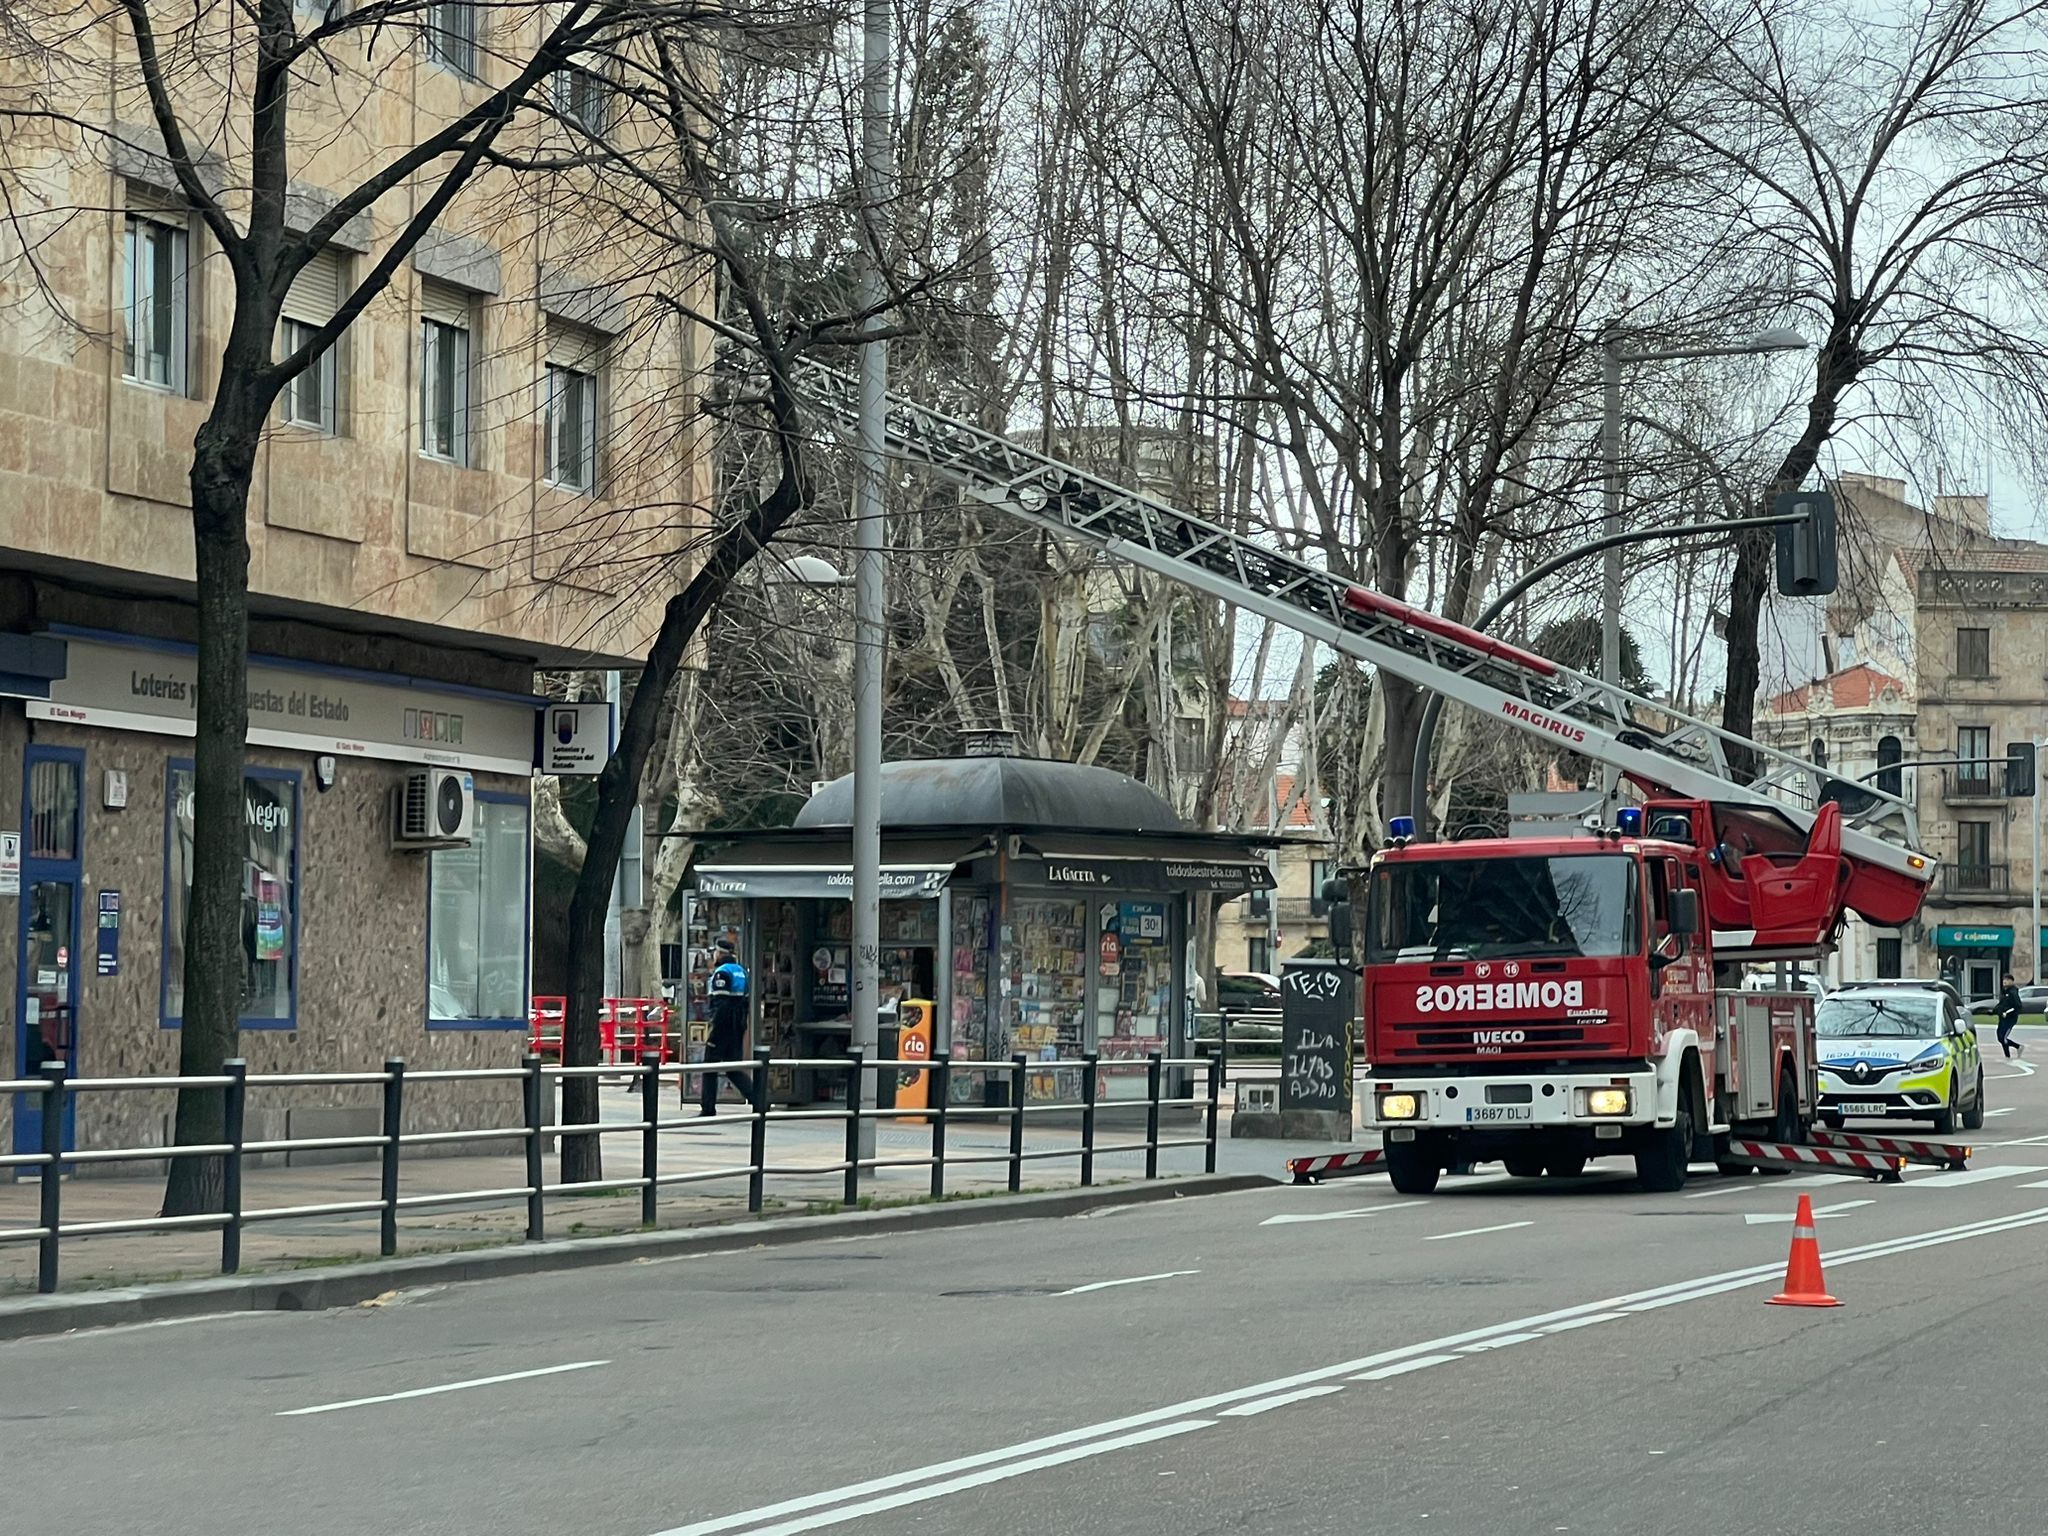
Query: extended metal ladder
point(1641, 738)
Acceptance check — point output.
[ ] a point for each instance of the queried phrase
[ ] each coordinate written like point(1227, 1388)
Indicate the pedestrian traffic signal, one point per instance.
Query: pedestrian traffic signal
point(2019, 769)
point(1806, 549)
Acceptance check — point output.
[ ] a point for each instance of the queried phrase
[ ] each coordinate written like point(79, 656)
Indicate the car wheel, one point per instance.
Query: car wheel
point(1785, 1127)
point(1413, 1171)
point(1524, 1166)
point(1973, 1117)
point(1945, 1121)
point(1565, 1167)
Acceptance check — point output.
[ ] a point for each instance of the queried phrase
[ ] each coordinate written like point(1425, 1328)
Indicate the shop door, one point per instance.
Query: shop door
point(47, 958)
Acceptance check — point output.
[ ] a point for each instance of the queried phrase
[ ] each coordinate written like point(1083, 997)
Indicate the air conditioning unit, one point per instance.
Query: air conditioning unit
point(433, 808)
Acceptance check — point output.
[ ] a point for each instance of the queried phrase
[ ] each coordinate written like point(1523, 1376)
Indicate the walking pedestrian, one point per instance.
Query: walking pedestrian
point(727, 989)
point(2008, 1016)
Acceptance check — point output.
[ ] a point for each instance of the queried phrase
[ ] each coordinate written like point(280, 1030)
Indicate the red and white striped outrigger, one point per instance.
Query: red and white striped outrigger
point(1942, 1154)
point(1336, 1165)
point(1785, 1154)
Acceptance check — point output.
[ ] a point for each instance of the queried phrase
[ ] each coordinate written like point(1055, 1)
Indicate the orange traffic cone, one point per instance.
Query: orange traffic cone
point(1804, 1286)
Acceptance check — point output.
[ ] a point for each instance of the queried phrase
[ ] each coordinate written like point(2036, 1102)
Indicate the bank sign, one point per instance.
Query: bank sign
point(129, 689)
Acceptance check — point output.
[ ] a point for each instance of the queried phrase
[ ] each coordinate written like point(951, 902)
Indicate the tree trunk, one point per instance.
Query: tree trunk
point(1403, 721)
point(223, 461)
point(1745, 654)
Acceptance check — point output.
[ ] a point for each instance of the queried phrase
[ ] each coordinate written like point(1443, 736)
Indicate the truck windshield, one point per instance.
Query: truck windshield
point(1490, 909)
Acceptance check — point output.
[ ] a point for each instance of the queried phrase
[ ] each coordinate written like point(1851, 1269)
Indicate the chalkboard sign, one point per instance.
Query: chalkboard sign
point(1318, 1001)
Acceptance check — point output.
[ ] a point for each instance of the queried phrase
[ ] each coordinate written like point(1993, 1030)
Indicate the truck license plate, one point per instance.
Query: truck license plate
point(1864, 1109)
point(1487, 1114)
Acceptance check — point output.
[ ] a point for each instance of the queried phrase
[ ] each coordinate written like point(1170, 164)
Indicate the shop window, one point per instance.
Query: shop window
point(476, 922)
point(270, 895)
point(53, 810)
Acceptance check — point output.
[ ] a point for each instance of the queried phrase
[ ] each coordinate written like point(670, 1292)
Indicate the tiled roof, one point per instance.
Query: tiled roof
point(1297, 815)
point(1859, 687)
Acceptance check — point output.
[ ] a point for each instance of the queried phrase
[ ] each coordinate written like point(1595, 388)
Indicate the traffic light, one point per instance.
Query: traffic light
point(2019, 769)
point(1806, 549)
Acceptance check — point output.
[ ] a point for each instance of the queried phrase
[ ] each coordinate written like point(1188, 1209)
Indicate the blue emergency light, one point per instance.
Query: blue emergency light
point(1630, 819)
point(1402, 828)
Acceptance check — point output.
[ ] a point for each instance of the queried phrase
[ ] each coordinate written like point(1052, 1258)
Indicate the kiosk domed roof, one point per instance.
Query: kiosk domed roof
point(999, 792)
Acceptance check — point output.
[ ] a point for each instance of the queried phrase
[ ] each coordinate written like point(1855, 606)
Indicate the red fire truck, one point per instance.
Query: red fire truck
point(1542, 1002)
point(1548, 1000)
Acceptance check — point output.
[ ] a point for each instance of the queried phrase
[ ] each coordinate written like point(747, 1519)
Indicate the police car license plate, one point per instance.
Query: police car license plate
point(1487, 1114)
point(1864, 1109)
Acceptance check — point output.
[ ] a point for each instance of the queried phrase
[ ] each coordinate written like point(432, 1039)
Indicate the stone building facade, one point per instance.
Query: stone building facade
point(447, 504)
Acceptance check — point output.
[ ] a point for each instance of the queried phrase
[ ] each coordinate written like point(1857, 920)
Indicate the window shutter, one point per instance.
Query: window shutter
point(445, 304)
point(571, 346)
point(317, 291)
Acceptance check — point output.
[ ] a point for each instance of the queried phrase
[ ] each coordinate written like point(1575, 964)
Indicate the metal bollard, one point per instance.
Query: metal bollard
point(1215, 1106)
point(1017, 1122)
point(1088, 1070)
point(530, 1089)
point(394, 1120)
point(1153, 1070)
point(50, 1206)
point(942, 1092)
point(235, 1115)
point(650, 1136)
point(853, 1090)
point(757, 1152)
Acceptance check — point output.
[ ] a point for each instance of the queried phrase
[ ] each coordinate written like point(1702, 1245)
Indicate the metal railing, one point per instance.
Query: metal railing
point(53, 1089)
point(1973, 881)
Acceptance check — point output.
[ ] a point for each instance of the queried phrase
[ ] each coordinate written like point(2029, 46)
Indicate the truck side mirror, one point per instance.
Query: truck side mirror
point(1685, 912)
point(1337, 898)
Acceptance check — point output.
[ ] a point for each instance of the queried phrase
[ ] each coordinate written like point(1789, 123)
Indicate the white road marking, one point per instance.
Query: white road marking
point(1821, 1212)
point(1351, 1215)
point(1501, 1341)
point(453, 1386)
point(1587, 1321)
point(1993, 1114)
point(1506, 1226)
point(1973, 1176)
point(1267, 1404)
point(1721, 1189)
point(1403, 1367)
point(1104, 1285)
point(1177, 1418)
point(978, 1479)
point(2019, 1069)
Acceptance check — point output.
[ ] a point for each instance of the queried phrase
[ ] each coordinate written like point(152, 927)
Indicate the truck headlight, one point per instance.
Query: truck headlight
point(1400, 1106)
point(1606, 1101)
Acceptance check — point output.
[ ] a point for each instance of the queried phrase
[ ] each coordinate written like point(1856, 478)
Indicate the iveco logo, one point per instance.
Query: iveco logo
point(1499, 1036)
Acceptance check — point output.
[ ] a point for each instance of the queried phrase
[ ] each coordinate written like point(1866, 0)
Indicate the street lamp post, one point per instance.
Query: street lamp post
point(1612, 356)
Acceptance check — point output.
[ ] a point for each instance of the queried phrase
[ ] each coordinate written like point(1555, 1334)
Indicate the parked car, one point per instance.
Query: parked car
point(1248, 1002)
point(1899, 1053)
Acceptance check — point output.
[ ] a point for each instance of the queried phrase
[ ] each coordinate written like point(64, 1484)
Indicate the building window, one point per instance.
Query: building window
point(451, 35)
point(1890, 958)
point(476, 922)
point(446, 326)
point(580, 97)
point(1259, 954)
point(1973, 760)
point(1890, 753)
point(153, 302)
point(270, 895)
point(311, 398)
point(1973, 855)
point(1820, 753)
point(1973, 653)
point(575, 408)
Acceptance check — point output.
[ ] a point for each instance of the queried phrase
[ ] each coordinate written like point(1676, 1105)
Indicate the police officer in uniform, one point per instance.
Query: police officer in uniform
point(728, 994)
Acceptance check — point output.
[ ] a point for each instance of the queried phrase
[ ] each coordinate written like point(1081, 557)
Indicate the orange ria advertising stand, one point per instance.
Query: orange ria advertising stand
point(913, 1043)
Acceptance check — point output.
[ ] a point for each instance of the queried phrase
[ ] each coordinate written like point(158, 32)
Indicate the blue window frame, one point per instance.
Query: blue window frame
point(270, 894)
point(479, 903)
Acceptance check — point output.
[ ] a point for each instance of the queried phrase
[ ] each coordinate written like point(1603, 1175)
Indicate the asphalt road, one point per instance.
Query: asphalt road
point(1503, 1356)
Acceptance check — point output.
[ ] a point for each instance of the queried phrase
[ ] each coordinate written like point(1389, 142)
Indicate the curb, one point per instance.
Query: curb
point(346, 1285)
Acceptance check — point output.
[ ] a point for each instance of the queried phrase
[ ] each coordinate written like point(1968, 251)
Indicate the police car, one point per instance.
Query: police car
point(1899, 1051)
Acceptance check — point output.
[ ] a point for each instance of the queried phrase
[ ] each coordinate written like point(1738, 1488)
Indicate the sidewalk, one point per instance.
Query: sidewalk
point(803, 1157)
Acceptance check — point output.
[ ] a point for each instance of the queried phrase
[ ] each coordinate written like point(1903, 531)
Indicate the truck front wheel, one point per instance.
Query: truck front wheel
point(1413, 1168)
point(1662, 1159)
